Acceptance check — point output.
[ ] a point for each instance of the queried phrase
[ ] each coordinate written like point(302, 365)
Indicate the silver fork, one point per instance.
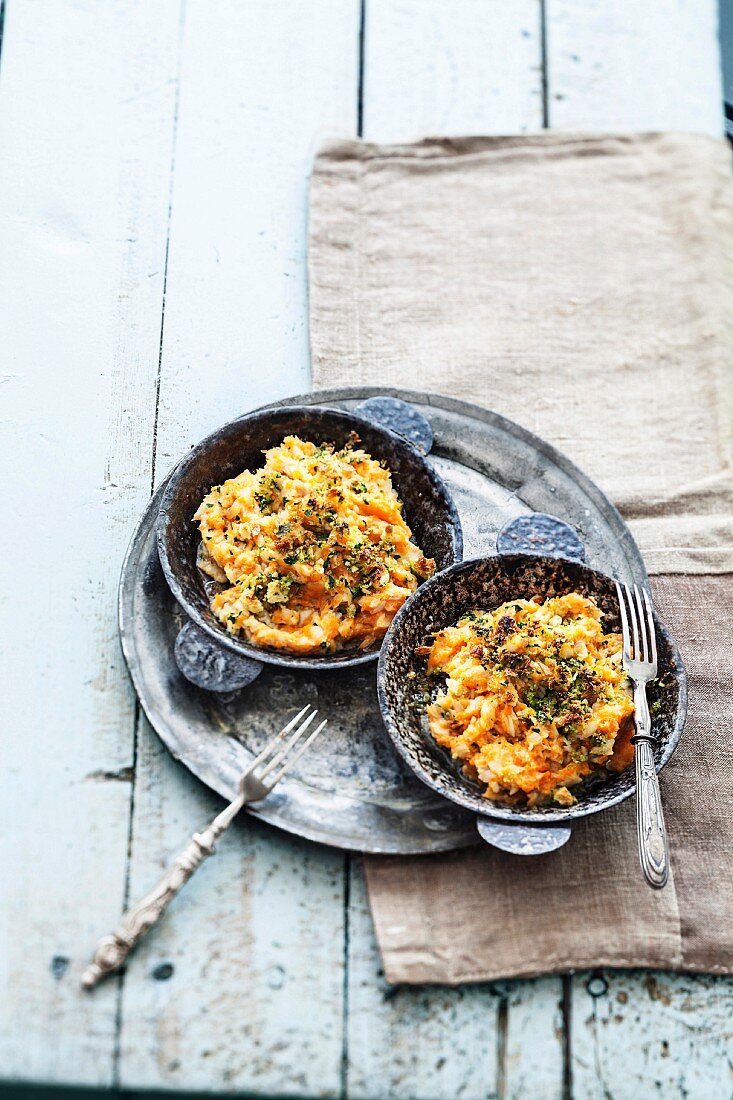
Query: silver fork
point(267, 769)
point(640, 662)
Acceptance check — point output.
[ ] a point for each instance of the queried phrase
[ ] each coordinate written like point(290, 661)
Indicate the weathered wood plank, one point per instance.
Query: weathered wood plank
point(641, 1034)
point(615, 65)
point(264, 85)
point(255, 1001)
point(535, 1040)
point(240, 987)
point(641, 67)
point(86, 124)
point(469, 67)
point(414, 1042)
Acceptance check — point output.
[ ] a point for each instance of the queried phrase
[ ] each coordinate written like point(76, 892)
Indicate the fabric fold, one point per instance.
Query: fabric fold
point(577, 284)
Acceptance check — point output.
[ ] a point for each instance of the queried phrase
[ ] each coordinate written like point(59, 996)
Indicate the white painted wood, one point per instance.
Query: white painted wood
point(263, 85)
point(466, 67)
point(534, 1051)
point(256, 999)
point(86, 123)
point(414, 1042)
point(255, 940)
point(617, 65)
point(652, 1034)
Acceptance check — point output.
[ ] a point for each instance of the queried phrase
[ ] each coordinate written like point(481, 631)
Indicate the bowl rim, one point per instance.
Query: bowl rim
point(496, 811)
point(221, 636)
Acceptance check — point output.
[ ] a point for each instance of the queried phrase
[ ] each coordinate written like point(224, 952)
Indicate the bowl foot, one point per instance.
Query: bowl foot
point(210, 666)
point(523, 840)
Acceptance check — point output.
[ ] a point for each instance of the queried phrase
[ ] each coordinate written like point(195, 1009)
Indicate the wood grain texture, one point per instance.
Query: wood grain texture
point(470, 67)
point(263, 84)
point(534, 1053)
point(615, 65)
point(88, 103)
point(240, 986)
point(255, 1000)
point(639, 1035)
point(414, 1041)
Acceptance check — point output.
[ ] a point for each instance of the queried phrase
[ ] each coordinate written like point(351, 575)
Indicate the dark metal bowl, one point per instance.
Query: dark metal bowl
point(402, 680)
point(428, 507)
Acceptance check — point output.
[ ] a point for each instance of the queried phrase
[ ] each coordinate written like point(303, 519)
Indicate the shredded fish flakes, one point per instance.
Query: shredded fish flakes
point(535, 698)
point(313, 548)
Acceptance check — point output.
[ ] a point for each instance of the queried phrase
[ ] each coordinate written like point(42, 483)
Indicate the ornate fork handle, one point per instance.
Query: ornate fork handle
point(652, 832)
point(266, 770)
point(112, 950)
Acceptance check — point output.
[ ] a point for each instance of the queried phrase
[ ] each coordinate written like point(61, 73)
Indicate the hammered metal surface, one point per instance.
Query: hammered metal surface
point(540, 534)
point(209, 665)
point(404, 686)
point(352, 790)
point(521, 840)
point(400, 417)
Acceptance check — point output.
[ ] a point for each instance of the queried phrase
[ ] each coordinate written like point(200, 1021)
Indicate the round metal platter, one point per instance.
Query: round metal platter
point(350, 790)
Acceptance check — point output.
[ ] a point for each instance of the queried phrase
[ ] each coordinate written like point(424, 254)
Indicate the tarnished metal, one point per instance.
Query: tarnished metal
point(403, 684)
point(351, 790)
point(209, 665)
point(428, 509)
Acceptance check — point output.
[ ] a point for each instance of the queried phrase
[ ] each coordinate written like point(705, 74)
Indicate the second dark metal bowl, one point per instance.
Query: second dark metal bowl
point(428, 508)
point(403, 683)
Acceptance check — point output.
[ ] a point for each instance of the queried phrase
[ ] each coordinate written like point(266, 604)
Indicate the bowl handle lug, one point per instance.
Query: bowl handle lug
point(523, 840)
point(540, 533)
point(211, 666)
point(400, 418)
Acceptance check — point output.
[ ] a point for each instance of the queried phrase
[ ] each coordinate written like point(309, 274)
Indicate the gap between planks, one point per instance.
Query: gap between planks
point(137, 715)
point(360, 89)
point(2, 27)
point(348, 860)
point(174, 137)
point(544, 63)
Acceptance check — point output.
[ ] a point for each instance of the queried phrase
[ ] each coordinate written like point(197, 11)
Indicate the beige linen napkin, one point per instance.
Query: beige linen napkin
point(579, 285)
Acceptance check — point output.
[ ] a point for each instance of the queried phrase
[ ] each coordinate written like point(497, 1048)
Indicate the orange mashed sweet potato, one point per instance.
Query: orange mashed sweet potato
point(535, 698)
point(312, 549)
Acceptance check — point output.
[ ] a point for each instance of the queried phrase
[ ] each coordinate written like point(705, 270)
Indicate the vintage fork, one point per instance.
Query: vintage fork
point(640, 662)
point(267, 769)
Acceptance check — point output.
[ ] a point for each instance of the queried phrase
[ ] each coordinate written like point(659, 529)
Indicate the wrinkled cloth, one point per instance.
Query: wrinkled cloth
point(576, 284)
point(481, 914)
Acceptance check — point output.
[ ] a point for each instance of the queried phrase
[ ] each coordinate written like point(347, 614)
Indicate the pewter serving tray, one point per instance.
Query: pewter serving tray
point(350, 790)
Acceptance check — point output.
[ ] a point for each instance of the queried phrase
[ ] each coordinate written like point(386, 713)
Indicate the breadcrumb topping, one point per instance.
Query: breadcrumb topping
point(535, 698)
point(313, 549)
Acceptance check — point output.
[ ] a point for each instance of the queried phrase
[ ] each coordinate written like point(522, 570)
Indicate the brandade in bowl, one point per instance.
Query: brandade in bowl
point(408, 690)
point(311, 445)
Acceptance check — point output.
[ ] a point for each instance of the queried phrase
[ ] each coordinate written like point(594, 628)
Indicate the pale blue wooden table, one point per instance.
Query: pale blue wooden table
point(154, 178)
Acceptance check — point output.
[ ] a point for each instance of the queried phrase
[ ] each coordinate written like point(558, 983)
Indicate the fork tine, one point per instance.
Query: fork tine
point(650, 621)
point(643, 625)
point(269, 747)
point(624, 621)
point(277, 759)
point(295, 757)
point(634, 624)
